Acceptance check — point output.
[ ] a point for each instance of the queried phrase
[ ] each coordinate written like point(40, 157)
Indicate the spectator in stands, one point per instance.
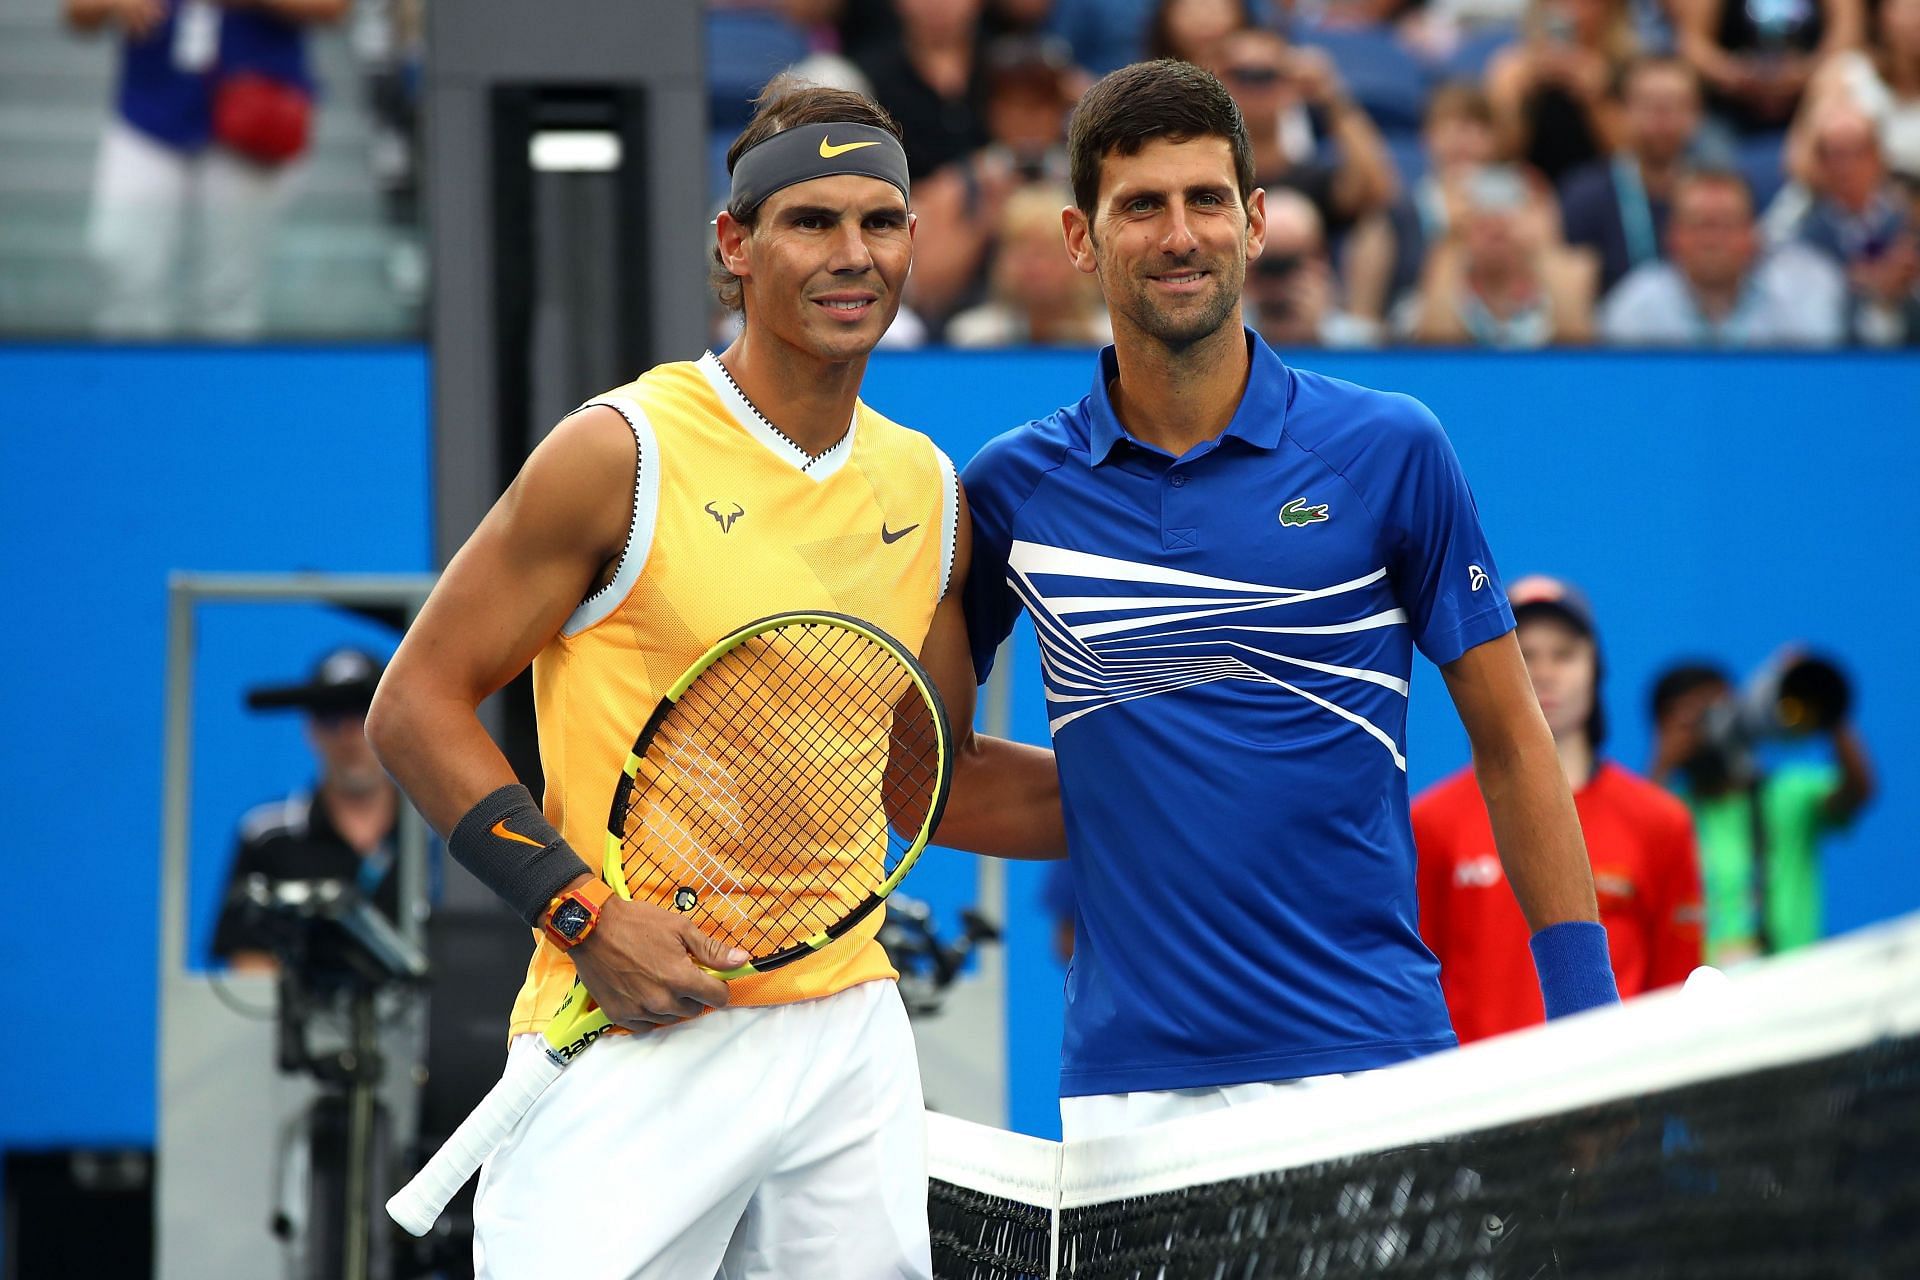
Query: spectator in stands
point(1108, 34)
point(1503, 279)
point(1189, 29)
point(1716, 289)
point(1384, 256)
point(1860, 218)
point(344, 827)
point(1037, 297)
point(1292, 295)
point(1275, 85)
point(863, 29)
point(1756, 59)
point(1552, 91)
point(1618, 207)
point(1884, 82)
point(213, 109)
point(1856, 207)
point(1646, 872)
point(933, 81)
point(1031, 87)
point(1798, 805)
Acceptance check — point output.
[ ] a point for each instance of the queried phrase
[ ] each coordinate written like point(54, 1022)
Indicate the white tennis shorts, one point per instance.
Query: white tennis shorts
point(784, 1142)
point(1103, 1115)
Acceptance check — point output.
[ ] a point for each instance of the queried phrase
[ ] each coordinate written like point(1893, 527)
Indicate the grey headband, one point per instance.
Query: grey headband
point(816, 151)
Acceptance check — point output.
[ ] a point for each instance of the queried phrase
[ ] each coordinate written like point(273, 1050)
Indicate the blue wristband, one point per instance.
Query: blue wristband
point(1575, 972)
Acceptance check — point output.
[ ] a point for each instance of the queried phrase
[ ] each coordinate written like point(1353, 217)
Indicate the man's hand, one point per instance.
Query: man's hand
point(1314, 76)
point(136, 17)
point(643, 966)
point(1679, 734)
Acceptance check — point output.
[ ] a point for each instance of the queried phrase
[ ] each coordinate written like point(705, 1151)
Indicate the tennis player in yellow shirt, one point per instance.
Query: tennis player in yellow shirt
point(782, 1135)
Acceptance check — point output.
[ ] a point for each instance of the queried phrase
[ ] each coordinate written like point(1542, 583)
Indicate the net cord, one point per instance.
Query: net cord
point(1827, 1000)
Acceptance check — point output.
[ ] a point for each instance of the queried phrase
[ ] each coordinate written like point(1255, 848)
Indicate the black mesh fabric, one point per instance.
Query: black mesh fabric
point(977, 1236)
point(1803, 1172)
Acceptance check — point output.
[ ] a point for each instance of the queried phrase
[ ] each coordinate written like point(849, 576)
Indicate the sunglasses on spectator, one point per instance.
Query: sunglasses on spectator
point(1256, 76)
point(1280, 266)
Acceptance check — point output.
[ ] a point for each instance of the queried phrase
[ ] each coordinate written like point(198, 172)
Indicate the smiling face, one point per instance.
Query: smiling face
point(1169, 238)
point(823, 264)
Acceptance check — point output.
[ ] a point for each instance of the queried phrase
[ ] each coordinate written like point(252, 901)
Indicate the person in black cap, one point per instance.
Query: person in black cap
point(1646, 873)
point(341, 828)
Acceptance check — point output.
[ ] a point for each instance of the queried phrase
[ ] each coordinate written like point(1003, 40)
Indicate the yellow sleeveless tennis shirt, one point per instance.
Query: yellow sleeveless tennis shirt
point(731, 523)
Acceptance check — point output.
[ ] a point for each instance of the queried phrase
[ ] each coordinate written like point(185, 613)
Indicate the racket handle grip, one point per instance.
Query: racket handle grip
point(417, 1206)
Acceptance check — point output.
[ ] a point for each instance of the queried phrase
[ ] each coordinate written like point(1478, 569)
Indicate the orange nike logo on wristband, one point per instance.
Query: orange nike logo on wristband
point(500, 829)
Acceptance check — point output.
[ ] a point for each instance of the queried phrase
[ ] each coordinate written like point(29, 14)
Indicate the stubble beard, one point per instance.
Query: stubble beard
point(1182, 327)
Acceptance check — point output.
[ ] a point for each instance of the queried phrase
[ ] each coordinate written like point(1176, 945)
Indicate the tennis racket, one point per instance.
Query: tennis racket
point(780, 791)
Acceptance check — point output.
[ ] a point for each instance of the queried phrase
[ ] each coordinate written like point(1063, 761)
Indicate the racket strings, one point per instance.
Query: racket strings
point(783, 788)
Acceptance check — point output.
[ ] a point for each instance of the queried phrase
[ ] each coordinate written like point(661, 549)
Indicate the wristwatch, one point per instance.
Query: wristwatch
point(572, 915)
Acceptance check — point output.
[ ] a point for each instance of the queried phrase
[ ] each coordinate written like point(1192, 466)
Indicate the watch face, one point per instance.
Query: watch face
point(570, 919)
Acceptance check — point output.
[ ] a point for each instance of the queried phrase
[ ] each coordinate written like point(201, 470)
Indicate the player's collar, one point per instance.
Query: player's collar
point(756, 424)
point(1260, 420)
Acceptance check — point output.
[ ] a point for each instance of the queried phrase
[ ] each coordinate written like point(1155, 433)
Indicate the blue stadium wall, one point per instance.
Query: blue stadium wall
point(1711, 505)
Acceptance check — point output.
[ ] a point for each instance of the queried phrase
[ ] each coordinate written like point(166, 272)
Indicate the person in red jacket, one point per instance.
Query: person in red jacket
point(1646, 871)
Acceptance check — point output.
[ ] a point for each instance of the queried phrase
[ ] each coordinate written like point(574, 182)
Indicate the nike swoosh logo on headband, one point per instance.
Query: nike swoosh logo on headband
point(501, 829)
point(828, 151)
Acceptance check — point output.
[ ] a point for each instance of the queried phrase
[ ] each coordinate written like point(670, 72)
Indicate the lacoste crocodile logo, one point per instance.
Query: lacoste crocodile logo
point(1298, 512)
point(726, 518)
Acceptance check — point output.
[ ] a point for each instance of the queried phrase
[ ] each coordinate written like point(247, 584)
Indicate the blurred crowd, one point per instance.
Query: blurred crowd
point(1499, 173)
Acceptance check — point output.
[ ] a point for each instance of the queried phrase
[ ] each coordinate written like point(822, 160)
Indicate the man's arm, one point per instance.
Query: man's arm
point(551, 538)
point(1005, 798)
point(1855, 788)
point(1535, 826)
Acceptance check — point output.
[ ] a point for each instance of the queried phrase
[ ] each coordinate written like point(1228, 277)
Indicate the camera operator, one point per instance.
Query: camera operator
point(1759, 830)
point(343, 828)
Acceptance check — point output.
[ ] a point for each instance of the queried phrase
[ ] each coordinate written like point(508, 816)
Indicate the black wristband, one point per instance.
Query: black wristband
point(510, 847)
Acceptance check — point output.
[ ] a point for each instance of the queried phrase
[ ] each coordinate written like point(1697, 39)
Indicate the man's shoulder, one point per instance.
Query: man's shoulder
point(1648, 304)
point(1642, 799)
point(886, 443)
point(664, 401)
point(1588, 189)
point(1008, 466)
point(1649, 282)
point(1343, 422)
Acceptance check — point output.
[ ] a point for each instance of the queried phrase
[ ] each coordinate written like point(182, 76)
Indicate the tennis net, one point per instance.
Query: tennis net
point(1767, 1128)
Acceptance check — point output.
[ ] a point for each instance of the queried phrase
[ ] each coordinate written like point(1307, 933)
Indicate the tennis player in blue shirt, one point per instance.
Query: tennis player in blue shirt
point(1229, 564)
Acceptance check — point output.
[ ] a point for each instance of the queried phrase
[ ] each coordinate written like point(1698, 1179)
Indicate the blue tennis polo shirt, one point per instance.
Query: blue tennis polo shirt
point(1226, 639)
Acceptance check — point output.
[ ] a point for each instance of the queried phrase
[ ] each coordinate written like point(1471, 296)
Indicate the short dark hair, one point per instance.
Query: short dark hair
point(1463, 98)
point(1130, 107)
point(1712, 174)
point(1642, 63)
point(786, 103)
point(1681, 679)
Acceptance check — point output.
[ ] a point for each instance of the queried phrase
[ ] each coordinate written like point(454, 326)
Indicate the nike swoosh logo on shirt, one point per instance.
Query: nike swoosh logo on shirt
point(890, 536)
point(500, 829)
point(828, 151)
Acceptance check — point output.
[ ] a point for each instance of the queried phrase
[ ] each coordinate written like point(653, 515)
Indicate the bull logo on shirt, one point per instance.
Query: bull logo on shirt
point(726, 517)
